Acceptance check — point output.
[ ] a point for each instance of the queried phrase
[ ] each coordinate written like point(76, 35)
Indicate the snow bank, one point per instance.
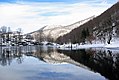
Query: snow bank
point(77, 46)
point(113, 45)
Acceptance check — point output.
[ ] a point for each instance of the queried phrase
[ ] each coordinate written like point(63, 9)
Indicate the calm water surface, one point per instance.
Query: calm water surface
point(43, 63)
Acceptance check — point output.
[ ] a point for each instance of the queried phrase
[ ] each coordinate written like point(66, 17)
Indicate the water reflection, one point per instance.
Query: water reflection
point(53, 57)
point(103, 61)
point(8, 54)
point(99, 60)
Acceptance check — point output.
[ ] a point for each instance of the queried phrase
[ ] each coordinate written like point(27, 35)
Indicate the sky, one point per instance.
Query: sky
point(31, 15)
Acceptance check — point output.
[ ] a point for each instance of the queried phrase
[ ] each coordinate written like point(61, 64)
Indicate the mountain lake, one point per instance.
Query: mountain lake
point(47, 63)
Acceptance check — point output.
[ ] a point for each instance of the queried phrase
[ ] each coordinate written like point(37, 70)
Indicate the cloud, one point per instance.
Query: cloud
point(33, 16)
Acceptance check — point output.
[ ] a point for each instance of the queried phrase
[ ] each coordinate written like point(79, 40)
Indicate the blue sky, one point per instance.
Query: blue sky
point(41, 0)
point(67, 1)
point(31, 15)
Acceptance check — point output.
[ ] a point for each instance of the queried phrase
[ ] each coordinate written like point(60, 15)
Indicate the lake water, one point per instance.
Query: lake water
point(43, 63)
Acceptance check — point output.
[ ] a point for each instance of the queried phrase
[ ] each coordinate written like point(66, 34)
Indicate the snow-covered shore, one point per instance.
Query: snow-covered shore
point(77, 46)
point(113, 45)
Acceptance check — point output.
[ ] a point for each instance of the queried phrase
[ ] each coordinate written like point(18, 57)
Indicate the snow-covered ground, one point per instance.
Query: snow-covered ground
point(77, 46)
point(113, 45)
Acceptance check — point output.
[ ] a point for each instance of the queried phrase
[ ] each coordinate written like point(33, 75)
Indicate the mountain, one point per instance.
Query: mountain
point(51, 33)
point(103, 28)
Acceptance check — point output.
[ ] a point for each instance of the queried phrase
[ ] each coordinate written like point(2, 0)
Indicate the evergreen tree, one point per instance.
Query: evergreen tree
point(87, 32)
point(83, 36)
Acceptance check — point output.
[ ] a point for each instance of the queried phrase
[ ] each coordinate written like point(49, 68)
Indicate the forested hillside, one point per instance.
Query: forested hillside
point(103, 28)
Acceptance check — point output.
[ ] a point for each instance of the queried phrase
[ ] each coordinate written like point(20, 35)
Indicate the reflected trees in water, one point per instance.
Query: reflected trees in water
point(103, 61)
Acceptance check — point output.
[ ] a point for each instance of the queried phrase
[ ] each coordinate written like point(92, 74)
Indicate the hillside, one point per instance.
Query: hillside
point(103, 28)
point(51, 33)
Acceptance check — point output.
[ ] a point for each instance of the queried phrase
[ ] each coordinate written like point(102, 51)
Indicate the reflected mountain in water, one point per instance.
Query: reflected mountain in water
point(53, 57)
point(102, 61)
point(48, 55)
point(105, 62)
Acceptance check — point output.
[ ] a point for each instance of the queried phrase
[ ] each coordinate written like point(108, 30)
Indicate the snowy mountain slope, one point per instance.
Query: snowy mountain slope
point(51, 33)
point(103, 28)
